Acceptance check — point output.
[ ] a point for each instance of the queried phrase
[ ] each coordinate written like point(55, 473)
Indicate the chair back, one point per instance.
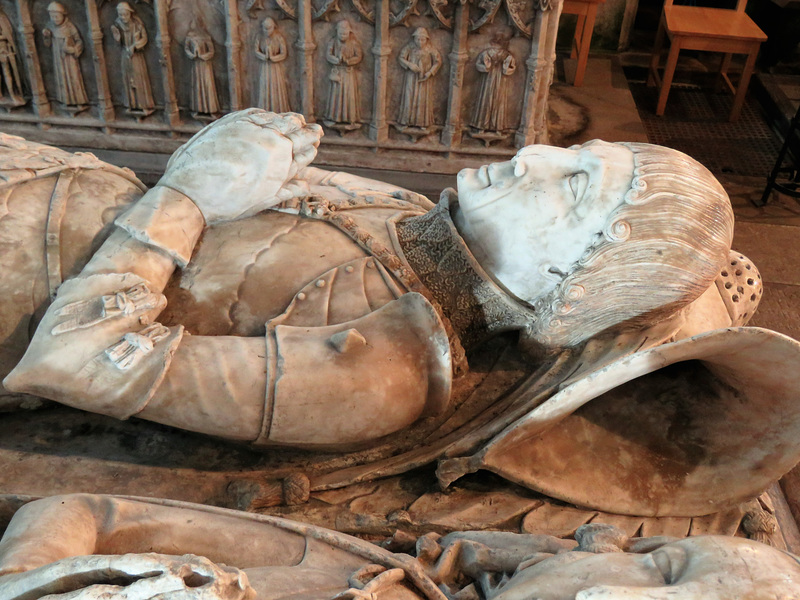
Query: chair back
point(740, 4)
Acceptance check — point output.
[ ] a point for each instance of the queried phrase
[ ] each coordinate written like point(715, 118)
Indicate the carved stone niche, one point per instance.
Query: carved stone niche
point(63, 40)
point(423, 84)
point(12, 80)
point(198, 43)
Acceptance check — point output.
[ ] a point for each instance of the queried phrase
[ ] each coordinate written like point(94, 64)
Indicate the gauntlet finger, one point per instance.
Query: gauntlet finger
point(303, 159)
point(305, 139)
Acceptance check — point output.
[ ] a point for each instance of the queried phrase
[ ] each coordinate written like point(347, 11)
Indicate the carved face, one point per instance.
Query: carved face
point(698, 568)
point(124, 14)
point(57, 17)
point(530, 219)
point(269, 26)
point(343, 31)
point(420, 37)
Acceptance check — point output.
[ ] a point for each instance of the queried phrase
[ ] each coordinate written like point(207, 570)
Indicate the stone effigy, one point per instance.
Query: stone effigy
point(94, 547)
point(606, 267)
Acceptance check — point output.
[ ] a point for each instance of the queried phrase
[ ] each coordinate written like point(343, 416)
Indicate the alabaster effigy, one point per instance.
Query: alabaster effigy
point(559, 341)
point(100, 547)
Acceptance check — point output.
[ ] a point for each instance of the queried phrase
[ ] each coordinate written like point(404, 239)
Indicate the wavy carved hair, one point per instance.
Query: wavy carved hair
point(659, 251)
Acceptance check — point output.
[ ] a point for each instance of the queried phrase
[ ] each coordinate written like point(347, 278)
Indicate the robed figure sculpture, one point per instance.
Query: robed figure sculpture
point(495, 65)
point(130, 33)
point(203, 101)
point(271, 50)
point(63, 37)
point(10, 82)
point(344, 54)
point(421, 61)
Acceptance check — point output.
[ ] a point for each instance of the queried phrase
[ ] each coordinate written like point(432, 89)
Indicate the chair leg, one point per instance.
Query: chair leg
point(576, 43)
point(652, 76)
point(669, 71)
point(586, 42)
point(724, 65)
point(741, 91)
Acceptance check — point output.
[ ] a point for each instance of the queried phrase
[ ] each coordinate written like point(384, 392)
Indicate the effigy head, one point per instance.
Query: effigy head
point(597, 236)
point(694, 568)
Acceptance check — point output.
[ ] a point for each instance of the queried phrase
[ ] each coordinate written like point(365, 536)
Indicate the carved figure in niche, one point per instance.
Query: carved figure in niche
point(343, 110)
point(95, 547)
point(421, 61)
point(272, 51)
point(130, 33)
point(67, 46)
point(492, 120)
point(605, 260)
point(199, 47)
point(10, 81)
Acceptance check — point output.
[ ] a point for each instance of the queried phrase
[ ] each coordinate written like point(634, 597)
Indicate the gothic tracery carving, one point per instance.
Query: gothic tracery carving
point(520, 12)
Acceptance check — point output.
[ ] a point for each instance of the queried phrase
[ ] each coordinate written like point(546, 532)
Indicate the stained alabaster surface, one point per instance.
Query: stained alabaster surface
point(97, 547)
point(254, 297)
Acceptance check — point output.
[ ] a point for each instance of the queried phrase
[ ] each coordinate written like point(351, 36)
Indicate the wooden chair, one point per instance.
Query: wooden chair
point(587, 12)
point(729, 31)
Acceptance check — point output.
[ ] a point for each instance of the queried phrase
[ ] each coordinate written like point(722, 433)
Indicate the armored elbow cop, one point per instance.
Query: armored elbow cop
point(341, 385)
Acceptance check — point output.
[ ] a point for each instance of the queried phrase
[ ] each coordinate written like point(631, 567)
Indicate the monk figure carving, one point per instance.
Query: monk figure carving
point(67, 44)
point(131, 35)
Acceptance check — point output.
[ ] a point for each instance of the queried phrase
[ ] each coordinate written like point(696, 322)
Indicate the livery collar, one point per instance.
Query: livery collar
point(476, 306)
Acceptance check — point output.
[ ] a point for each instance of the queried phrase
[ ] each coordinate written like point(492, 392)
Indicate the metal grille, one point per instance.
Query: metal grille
point(696, 122)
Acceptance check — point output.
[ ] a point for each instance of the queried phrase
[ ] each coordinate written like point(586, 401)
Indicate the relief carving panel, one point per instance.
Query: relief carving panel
point(398, 76)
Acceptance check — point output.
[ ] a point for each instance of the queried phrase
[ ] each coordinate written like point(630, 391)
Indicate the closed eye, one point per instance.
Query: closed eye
point(578, 182)
point(671, 562)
